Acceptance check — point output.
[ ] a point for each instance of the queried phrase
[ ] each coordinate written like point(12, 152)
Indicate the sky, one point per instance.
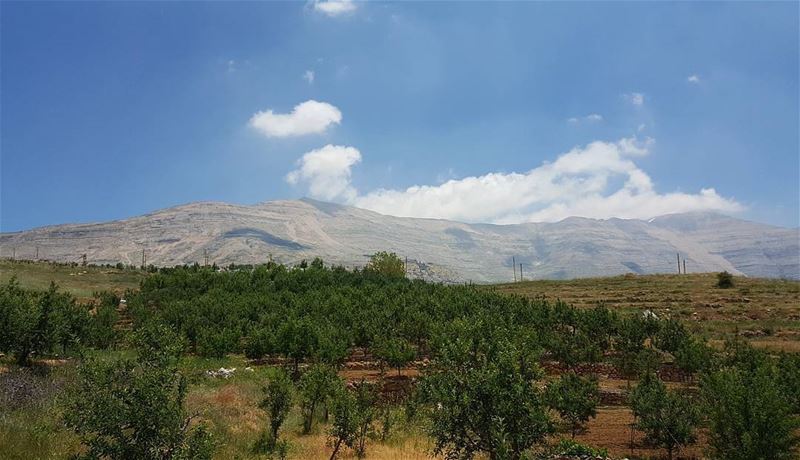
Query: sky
point(499, 112)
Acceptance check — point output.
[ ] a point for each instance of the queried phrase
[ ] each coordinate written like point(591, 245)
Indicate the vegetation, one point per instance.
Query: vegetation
point(668, 418)
point(483, 390)
point(277, 402)
point(575, 398)
point(724, 280)
point(133, 408)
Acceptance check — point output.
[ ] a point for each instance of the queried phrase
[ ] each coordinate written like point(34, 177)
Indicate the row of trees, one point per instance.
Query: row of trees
point(52, 322)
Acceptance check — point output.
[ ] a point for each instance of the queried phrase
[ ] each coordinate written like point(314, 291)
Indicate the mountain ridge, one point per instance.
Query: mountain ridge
point(438, 249)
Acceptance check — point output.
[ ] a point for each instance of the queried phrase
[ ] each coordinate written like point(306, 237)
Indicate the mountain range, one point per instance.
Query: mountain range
point(438, 250)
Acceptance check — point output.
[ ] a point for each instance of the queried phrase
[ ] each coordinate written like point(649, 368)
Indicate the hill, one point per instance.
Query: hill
point(438, 250)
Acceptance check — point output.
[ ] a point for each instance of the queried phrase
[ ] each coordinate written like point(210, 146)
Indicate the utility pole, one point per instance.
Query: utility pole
point(144, 260)
point(37, 252)
point(684, 265)
point(520, 272)
point(405, 267)
point(205, 256)
point(679, 263)
point(14, 253)
point(514, 267)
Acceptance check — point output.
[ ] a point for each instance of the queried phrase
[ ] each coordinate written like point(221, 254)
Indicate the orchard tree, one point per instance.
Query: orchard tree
point(575, 398)
point(353, 413)
point(387, 264)
point(133, 408)
point(483, 395)
point(395, 352)
point(317, 385)
point(277, 402)
point(750, 415)
point(667, 418)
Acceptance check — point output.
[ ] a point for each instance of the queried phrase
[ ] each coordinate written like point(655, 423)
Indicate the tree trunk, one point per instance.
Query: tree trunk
point(336, 449)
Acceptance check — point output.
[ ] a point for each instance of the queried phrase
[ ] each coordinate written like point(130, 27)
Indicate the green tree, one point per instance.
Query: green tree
point(277, 402)
point(345, 421)
point(667, 418)
point(575, 398)
point(318, 384)
point(353, 413)
point(387, 264)
point(133, 408)
point(482, 393)
point(395, 352)
point(749, 414)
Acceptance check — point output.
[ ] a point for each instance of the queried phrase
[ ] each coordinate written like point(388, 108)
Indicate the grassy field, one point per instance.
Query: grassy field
point(765, 311)
point(79, 281)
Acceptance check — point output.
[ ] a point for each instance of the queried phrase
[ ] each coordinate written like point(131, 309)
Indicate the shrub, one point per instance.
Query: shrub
point(724, 280)
point(133, 408)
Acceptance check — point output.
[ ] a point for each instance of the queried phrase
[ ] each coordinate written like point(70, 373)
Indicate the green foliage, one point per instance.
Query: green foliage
point(353, 414)
point(395, 352)
point(133, 408)
point(317, 386)
point(387, 264)
point(35, 322)
point(277, 403)
point(102, 333)
point(482, 395)
point(667, 418)
point(724, 280)
point(749, 412)
point(575, 398)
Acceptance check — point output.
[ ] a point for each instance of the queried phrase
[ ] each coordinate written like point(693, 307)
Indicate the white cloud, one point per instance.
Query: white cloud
point(327, 172)
point(636, 99)
point(308, 76)
point(309, 117)
point(599, 180)
point(335, 8)
point(693, 79)
point(591, 118)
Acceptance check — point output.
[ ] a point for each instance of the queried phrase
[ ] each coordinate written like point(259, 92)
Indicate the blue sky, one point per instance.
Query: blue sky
point(486, 112)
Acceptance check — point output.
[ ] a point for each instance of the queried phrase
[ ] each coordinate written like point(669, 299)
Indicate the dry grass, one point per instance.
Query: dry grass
point(79, 281)
point(765, 311)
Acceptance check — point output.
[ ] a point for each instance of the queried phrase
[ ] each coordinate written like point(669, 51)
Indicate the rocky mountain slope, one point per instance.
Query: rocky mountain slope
point(289, 231)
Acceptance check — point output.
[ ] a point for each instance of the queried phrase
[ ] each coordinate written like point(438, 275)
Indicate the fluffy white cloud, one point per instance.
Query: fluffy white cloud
point(693, 79)
point(308, 76)
point(636, 99)
point(599, 180)
point(309, 117)
point(335, 7)
point(327, 172)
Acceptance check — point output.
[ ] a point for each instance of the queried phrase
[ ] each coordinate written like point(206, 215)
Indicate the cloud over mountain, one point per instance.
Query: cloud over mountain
point(599, 180)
